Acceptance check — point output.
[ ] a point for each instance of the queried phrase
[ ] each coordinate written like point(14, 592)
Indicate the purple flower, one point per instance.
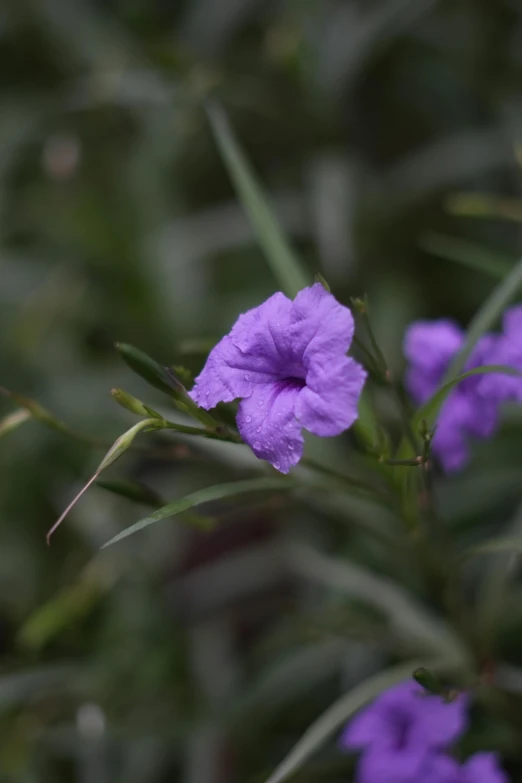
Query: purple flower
point(471, 410)
point(400, 730)
point(287, 363)
point(480, 768)
point(507, 350)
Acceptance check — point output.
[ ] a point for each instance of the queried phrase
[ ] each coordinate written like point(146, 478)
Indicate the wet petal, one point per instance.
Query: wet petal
point(228, 374)
point(319, 324)
point(328, 404)
point(266, 421)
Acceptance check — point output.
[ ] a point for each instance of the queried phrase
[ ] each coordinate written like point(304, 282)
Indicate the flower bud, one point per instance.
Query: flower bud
point(134, 405)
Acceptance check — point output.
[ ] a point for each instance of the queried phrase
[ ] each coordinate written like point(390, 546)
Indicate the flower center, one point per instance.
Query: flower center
point(401, 730)
point(292, 382)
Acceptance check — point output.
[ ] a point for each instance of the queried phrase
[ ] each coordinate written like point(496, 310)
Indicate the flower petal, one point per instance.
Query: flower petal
point(432, 344)
point(368, 727)
point(438, 723)
point(386, 763)
point(253, 353)
point(266, 421)
point(429, 346)
point(483, 768)
point(441, 769)
point(328, 404)
point(228, 374)
point(262, 334)
point(450, 443)
point(319, 324)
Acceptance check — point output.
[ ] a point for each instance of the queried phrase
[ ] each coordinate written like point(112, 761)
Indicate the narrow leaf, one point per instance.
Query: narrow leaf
point(512, 544)
point(13, 420)
point(284, 264)
point(492, 262)
point(118, 448)
point(484, 205)
point(487, 315)
point(337, 715)
point(149, 369)
point(164, 379)
point(203, 496)
point(133, 490)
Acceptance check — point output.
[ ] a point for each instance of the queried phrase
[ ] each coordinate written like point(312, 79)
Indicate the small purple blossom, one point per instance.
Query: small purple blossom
point(472, 408)
point(286, 360)
point(480, 768)
point(400, 731)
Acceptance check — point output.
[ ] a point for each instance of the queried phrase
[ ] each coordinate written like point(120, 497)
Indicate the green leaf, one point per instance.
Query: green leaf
point(118, 448)
point(487, 316)
point(203, 496)
point(512, 544)
point(132, 490)
point(13, 420)
point(149, 369)
point(125, 441)
point(337, 715)
point(492, 262)
point(285, 266)
point(164, 379)
point(431, 408)
point(139, 493)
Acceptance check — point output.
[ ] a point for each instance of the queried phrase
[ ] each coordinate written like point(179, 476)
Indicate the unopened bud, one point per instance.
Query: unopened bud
point(132, 404)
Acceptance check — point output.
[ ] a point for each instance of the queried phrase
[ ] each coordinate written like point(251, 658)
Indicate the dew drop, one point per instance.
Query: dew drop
point(259, 429)
point(257, 444)
point(291, 446)
point(249, 418)
point(277, 465)
point(207, 392)
point(260, 403)
point(247, 377)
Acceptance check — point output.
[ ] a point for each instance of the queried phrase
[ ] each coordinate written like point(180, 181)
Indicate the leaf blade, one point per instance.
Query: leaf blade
point(431, 408)
point(339, 712)
point(281, 258)
point(216, 492)
point(460, 251)
point(486, 317)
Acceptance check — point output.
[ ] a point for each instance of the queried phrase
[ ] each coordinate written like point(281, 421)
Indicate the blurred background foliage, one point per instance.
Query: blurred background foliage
point(203, 656)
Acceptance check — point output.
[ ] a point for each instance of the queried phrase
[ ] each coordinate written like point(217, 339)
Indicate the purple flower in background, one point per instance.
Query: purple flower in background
point(286, 360)
point(471, 410)
point(400, 731)
point(480, 768)
point(507, 350)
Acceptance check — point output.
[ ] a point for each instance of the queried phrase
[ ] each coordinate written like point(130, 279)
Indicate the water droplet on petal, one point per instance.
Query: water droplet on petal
point(277, 465)
point(207, 392)
point(291, 446)
point(259, 429)
point(257, 445)
point(249, 418)
point(260, 402)
point(247, 377)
